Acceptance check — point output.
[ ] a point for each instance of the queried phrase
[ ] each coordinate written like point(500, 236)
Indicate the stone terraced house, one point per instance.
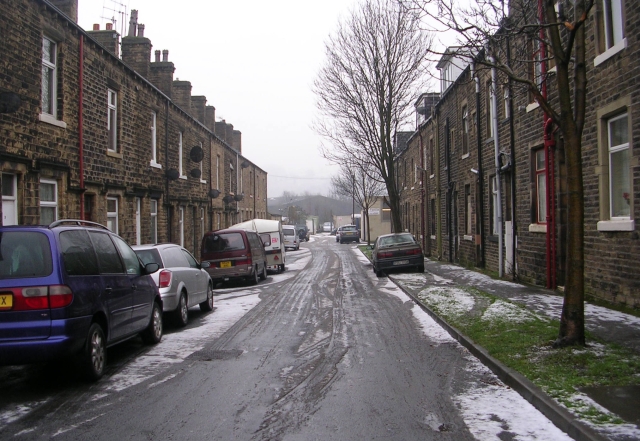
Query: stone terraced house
point(91, 128)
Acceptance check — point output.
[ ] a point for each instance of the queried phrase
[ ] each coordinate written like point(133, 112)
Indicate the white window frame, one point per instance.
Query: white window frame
point(112, 120)
point(181, 224)
point(49, 105)
point(541, 193)
point(180, 157)
point(218, 172)
point(10, 199)
point(50, 204)
point(112, 216)
point(153, 214)
point(505, 98)
point(614, 34)
point(494, 205)
point(138, 206)
point(154, 141)
point(201, 222)
point(202, 180)
point(465, 130)
point(613, 150)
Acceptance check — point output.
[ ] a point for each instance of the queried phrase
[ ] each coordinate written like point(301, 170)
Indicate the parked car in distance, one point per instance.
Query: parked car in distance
point(72, 288)
point(270, 232)
point(182, 281)
point(348, 233)
point(234, 255)
point(396, 251)
point(291, 240)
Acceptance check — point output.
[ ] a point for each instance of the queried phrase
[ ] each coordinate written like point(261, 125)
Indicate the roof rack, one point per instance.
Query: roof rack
point(77, 222)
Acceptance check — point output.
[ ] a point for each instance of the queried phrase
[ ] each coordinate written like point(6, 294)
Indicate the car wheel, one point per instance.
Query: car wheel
point(263, 276)
point(282, 267)
point(94, 355)
point(256, 277)
point(153, 333)
point(378, 272)
point(421, 268)
point(207, 305)
point(181, 313)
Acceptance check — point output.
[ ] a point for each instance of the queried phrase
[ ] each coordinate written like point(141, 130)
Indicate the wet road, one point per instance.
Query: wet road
point(325, 351)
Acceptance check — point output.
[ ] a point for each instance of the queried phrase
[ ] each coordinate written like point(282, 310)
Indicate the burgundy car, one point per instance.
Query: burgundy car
point(397, 251)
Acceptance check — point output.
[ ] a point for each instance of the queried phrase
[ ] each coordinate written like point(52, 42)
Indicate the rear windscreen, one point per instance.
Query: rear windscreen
point(289, 232)
point(216, 243)
point(24, 254)
point(150, 256)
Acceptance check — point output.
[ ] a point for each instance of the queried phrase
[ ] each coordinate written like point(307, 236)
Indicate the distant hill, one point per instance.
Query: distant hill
point(323, 207)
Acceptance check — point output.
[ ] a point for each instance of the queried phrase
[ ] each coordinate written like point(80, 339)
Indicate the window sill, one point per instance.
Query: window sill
point(466, 237)
point(532, 106)
point(154, 164)
point(202, 181)
point(182, 177)
point(537, 228)
point(610, 52)
point(49, 119)
point(465, 156)
point(113, 154)
point(617, 225)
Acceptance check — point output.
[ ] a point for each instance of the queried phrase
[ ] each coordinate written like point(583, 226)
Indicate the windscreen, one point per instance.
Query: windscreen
point(24, 254)
point(216, 243)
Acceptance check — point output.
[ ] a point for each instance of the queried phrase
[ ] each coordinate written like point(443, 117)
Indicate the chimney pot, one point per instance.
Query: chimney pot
point(157, 56)
point(109, 26)
point(140, 30)
point(165, 55)
point(96, 27)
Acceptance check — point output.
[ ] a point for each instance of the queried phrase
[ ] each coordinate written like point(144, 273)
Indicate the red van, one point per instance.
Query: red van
point(234, 254)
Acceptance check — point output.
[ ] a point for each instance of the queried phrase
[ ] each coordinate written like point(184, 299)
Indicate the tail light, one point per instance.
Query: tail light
point(246, 261)
point(41, 297)
point(164, 280)
point(414, 251)
point(385, 255)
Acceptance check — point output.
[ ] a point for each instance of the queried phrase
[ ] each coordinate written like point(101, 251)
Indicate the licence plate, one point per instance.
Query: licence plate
point(225, 264)
point(6, 301)
point(401, 262)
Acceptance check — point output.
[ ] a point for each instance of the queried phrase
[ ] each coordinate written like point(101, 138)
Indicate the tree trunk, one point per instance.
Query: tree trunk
point(572, 319)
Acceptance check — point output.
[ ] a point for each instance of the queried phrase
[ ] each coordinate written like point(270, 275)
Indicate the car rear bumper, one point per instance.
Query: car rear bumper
point(67, 338)
point(399, 262)
point(233, 273)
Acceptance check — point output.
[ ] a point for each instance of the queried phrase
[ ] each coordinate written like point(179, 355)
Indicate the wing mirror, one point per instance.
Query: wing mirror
point(151, 268)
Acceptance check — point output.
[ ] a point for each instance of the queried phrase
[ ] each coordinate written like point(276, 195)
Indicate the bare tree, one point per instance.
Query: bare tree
point(355, 182)
point(519, 39)
point(376, 62)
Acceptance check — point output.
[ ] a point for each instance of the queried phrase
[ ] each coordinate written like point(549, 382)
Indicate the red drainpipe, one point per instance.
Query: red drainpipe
point(80, 124)
point(549, 146)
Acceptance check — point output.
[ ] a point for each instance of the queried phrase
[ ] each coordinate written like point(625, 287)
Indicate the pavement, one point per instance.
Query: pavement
point(606, 324)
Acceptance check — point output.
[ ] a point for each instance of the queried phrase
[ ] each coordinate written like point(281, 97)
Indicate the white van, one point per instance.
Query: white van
point(270, 232)
point(291, 239)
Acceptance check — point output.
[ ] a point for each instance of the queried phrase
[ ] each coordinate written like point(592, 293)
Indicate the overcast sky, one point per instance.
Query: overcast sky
point(255, 61)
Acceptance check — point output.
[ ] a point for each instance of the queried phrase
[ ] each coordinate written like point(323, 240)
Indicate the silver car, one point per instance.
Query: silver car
point(182, 281)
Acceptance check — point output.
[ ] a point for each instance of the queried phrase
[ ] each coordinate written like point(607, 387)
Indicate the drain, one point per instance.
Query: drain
point(216, 354)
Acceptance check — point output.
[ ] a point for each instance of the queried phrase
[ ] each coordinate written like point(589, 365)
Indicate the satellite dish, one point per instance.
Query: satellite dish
point(172, 174)
point(213, 193)
point(196, 154)
point(196, 173)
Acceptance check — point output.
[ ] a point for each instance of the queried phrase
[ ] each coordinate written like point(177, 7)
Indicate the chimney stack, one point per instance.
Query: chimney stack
point(182, 95)
point(210, 118)
point(108, 39)
point(161, 73)
point(67, 7)
point(136, 49)
point(198, 105)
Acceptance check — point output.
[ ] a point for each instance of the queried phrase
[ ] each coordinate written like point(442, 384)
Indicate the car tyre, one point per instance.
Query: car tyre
point(421, 268)
point(378, 272)
point(153, 333)
point(94, 354)
point(207, 305)
point(263, 276)
point(181, 314)
point(281, 267)
point(255, 278)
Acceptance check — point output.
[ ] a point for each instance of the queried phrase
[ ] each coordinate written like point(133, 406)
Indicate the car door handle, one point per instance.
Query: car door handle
point(108, 289)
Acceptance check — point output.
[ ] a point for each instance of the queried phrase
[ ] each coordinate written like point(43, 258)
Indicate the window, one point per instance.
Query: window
point(619, 178)
point(154, 145)
point(432, 217)
point(535, 69)
point(465, 130)
point(540, 196)
point(108, 259)
point(489, 109)
point(180, 156)
point(153, 233)
point(9, 200)
point(431, 158)
point(181, 225)
point(112, 120)
point(494, 205)
point(505, 99)
point(112, 214)
point(467, 210)
point(201, 222)
point(49, 76)
point(138, 224)
point(218, 172)
point(231, 177)
point(202, 180)
point(48, 201)
point(611, 35)
point(130, 258)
